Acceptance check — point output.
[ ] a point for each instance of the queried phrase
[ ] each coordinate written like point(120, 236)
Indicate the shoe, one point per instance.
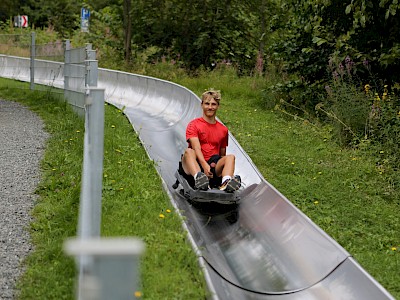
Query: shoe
point(201, 182)
point(231, 185)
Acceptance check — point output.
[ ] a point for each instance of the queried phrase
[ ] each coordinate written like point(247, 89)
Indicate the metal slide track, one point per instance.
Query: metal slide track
point(263, 248)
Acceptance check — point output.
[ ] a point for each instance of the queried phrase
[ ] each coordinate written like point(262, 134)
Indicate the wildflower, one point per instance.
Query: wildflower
point(381, 152)
point(112, 126)
point(78, 131)
point(168, 210)
point(367, 88)
point(349, 64)
point(292, 163)
point(161, 216)
point(138, 294)
point(394, 249)
point(316, 202)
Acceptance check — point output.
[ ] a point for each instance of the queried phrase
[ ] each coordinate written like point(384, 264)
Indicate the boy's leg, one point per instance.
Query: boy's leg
point(225, 166)
point(191, 167)
point(189, 162)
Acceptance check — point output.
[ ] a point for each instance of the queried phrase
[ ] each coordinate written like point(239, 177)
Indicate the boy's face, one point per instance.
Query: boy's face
point(210, 107)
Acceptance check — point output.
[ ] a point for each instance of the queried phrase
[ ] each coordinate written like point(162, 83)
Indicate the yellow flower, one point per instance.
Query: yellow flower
point(138, 294)
point(315, 202)
point(394, 249)
point(161, 216)
point(112, 126)
point(168, 210)
point(78, 131)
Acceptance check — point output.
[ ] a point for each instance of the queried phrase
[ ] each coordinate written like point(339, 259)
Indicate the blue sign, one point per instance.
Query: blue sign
point(85, 15)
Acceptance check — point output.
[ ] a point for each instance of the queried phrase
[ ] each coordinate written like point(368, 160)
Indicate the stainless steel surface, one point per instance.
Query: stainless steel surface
point(263, 249)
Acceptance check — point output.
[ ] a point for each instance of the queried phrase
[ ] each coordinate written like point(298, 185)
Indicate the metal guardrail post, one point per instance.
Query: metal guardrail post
point(90, 208)
point(91, 73)
point(91, 67)
point(33, 54)
point(115, 272)
point(67, 61)
point(92, 176)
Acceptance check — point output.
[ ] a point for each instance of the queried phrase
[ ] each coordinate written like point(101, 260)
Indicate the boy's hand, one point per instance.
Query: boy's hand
point(207, 170)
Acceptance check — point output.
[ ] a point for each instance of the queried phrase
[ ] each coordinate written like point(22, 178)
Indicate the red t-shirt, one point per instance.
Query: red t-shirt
point(212, 137)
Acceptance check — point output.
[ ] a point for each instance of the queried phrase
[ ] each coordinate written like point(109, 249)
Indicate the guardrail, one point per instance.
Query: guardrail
point(100, 275)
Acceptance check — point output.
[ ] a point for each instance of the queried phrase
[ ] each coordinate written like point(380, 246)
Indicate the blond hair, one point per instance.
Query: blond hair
point(211, 94)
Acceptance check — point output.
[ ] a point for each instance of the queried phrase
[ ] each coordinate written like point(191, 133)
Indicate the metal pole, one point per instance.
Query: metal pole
point(33, 54)
point(115, 273)
point(67, 71)
point(93, 164)
point(92, 176)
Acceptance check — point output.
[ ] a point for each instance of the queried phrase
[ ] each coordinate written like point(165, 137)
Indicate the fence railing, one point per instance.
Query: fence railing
point(102, 263)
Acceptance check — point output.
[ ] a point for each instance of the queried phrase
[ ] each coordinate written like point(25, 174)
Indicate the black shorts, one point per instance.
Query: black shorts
point(214, 182)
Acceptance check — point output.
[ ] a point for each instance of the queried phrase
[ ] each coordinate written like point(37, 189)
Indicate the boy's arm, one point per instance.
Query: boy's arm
point(195, 144)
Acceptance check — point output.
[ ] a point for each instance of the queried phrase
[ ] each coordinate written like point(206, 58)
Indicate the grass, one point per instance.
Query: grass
point(134, 204)
point(341, 190)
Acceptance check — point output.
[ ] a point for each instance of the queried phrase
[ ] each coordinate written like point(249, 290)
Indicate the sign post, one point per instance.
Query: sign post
point(85, 15)
point(21, 21)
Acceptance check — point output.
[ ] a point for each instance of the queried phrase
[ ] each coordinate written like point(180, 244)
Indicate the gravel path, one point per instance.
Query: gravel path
point(22, 140)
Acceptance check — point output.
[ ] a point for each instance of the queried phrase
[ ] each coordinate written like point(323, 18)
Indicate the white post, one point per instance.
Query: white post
point(33, 54)
point(115, 271)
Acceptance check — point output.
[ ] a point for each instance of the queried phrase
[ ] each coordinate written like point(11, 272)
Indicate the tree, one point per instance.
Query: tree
point(127, 20)
point(62, 15)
